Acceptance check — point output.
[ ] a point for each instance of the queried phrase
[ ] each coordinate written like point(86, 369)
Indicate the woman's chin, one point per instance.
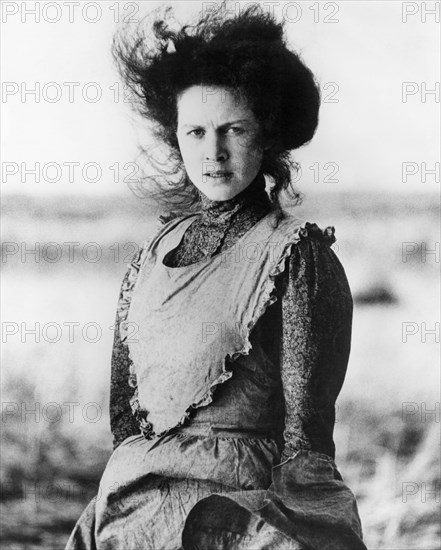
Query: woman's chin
point(221, 192)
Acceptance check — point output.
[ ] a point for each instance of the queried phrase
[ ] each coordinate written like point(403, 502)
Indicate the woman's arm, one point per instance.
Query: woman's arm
point(122, 422)
point(316, 337)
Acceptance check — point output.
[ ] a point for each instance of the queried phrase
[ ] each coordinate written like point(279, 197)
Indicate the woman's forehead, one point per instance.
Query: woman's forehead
point(210, 103)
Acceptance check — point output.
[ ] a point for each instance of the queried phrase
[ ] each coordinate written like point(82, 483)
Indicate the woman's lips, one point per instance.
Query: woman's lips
point(219, 174)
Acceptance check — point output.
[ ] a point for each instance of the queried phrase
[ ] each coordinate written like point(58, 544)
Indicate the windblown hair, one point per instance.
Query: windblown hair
point(246, 53)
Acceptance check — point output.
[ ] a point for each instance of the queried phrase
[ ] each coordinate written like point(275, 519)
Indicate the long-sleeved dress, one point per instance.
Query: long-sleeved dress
point(252, 465)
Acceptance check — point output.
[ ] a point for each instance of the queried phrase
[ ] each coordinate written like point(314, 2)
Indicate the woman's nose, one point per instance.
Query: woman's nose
point(215, 150)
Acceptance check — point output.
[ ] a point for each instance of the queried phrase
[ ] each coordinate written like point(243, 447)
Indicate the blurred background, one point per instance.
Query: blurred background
point(70, 225)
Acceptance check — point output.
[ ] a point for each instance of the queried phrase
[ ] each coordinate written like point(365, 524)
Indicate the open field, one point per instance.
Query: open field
point(55, 427)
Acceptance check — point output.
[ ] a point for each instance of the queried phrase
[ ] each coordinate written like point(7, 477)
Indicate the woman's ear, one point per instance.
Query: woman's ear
point(268, 143)
point(268, 140)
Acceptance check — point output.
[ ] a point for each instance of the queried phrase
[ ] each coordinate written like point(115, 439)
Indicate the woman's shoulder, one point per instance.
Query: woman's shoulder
point(312, 261)
point(302, 230)
point(312, 231)
point(305, 240)
point(163, 224)
point(126, 290)
point(131, 275)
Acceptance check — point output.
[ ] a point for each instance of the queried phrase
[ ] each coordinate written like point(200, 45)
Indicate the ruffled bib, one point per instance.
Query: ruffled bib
point(191, 319)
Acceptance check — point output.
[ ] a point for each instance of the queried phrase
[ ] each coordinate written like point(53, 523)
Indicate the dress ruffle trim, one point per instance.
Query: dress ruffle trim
point(127, 290)
point(123, 310)
point(306, 229)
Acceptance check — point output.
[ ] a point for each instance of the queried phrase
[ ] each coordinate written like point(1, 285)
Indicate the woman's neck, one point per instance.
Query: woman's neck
point(221, 224)
point(252, 200)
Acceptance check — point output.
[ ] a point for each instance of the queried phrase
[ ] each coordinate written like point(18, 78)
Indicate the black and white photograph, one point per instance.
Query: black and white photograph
point(220, 285)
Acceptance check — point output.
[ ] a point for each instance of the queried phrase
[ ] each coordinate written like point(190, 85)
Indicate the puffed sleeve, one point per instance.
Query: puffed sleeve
point(316, 337)
point(123, 424)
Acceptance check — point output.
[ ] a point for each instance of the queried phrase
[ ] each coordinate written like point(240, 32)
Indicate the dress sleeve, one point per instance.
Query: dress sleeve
point(316, 337)
point(122, 388)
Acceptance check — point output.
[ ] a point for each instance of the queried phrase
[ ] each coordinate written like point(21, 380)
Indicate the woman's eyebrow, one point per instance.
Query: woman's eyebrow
point(220, 126)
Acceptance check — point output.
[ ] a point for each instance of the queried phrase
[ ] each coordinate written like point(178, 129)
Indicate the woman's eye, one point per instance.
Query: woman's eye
point(197, 132)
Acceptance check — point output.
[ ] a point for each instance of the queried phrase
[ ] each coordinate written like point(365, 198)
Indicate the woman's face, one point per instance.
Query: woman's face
point(220, 141)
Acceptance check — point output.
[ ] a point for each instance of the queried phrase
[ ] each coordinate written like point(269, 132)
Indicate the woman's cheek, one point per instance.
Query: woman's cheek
point(189, 155)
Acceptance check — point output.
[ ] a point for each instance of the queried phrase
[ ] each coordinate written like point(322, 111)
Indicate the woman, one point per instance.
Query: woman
point(242, 314)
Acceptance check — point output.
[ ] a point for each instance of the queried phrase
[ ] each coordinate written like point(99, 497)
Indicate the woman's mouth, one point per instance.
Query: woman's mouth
point(219, 175)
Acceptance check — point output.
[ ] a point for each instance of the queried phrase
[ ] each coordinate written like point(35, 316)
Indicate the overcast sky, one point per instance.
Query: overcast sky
point(377, 63)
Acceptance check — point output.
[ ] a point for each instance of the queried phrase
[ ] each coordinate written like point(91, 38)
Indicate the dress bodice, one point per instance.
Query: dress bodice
point(190, 320)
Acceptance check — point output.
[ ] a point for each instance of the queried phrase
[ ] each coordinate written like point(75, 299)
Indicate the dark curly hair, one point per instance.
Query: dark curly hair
point(247, 53)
